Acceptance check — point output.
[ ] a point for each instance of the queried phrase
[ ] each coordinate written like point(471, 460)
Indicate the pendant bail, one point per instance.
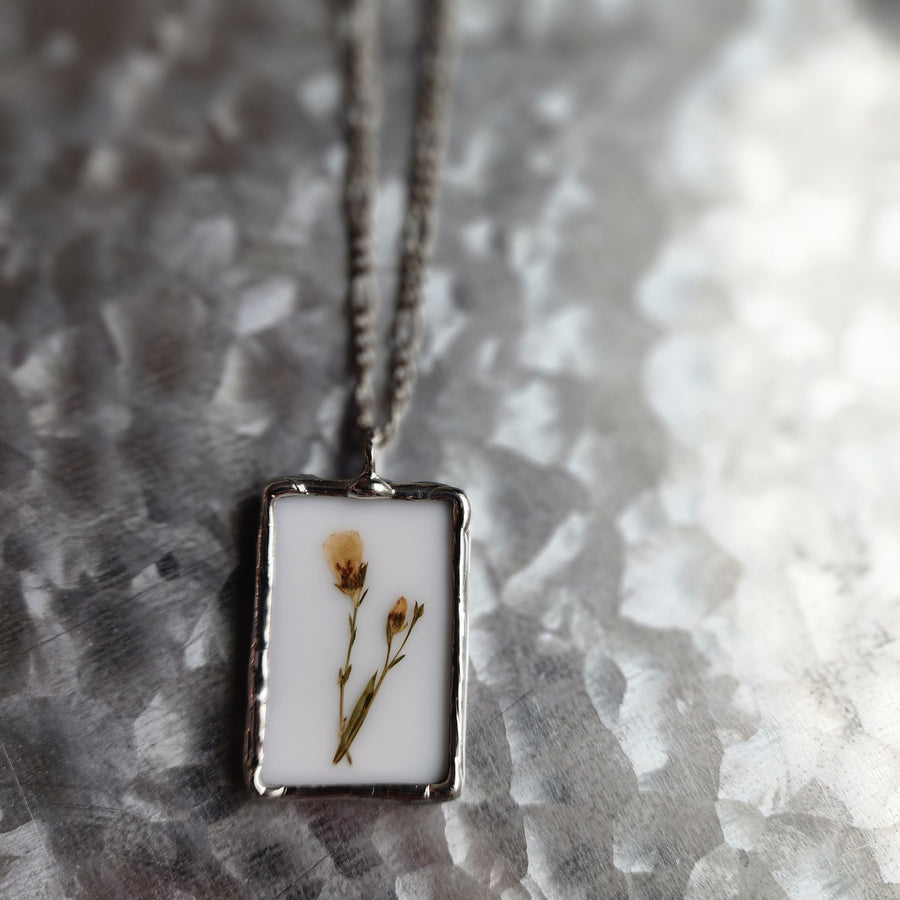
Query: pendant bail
point(369, 483)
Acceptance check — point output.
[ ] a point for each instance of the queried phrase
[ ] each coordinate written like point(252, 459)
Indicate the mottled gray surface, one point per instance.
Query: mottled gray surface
point(662, 359)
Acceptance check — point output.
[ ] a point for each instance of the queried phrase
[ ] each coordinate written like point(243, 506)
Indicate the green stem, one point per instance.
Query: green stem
point(342, 675)
point(347, 739)
point(387, 657)
point(388, 662)
point(405, 639)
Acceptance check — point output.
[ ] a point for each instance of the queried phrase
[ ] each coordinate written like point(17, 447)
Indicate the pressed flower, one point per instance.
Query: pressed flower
point(396, 620)
point(344, 552)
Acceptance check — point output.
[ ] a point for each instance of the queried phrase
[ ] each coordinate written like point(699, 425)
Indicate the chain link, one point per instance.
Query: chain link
point(360, 34)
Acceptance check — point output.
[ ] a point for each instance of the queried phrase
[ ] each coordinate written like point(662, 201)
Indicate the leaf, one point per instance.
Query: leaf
point(347, 673)
point(357, 717)
point(395, 661)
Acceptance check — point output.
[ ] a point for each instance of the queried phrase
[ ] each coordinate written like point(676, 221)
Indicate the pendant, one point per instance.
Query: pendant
point(358, 661)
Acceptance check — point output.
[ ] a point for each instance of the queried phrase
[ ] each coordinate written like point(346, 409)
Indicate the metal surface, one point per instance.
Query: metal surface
point(367, 486)
point(661, 360)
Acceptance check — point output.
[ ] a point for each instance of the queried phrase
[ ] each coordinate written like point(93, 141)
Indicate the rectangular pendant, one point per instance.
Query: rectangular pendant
point(358, 661)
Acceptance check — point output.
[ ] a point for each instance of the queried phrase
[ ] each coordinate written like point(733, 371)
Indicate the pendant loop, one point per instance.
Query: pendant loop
point(369, 483)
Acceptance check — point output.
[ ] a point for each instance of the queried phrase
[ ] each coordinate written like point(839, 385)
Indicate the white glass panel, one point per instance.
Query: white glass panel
point(404, 738)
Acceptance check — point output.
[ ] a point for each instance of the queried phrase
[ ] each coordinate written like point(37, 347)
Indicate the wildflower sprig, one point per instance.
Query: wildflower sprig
point(396, 623)
point(344, 552)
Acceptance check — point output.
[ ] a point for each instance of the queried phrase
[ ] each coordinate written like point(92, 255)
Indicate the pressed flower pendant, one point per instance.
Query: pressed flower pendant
point(357, 673)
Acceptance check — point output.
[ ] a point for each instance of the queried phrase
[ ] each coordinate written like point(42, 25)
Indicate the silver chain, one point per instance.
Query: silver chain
point(360, 201)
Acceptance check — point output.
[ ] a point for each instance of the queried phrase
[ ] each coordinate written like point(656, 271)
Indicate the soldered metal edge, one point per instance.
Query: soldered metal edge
point(369, 487)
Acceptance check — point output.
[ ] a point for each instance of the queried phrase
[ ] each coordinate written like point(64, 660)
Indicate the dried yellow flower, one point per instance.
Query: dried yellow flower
point(396, 620)
point(344, 552)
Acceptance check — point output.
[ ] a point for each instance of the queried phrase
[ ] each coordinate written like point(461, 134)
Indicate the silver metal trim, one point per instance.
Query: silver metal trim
point(368, 486)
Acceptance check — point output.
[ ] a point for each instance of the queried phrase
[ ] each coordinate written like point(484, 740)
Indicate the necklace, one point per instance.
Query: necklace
point(358, 657)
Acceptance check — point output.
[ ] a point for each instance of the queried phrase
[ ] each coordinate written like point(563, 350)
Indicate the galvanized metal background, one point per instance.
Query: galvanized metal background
point(661, 360)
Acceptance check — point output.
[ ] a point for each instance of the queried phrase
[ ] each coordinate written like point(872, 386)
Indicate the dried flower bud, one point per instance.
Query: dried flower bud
point(344, 552)
point(396, 620)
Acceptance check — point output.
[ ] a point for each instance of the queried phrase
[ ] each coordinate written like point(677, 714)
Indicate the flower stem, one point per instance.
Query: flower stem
point(356, 598)
point(367, 698)
point(342, 679)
